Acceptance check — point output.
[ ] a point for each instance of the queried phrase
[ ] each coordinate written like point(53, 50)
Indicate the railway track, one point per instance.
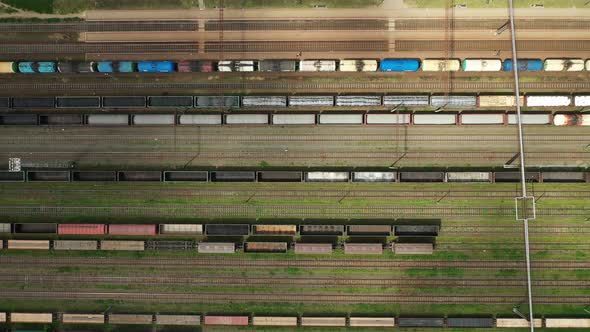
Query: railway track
point(101, 26)
point(341, 86)
point(222, 262)
point(277, 297)
point(298, 46)
point(305, 282)
point(43, 138)
point(293, 193)
point(492, 45)
point(301, 158)
point(491, 24)
point(271, 210)
point(299, 25)
point(80, 48)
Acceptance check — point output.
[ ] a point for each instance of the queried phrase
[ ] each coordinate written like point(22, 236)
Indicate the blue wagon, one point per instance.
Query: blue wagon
point(523, 65)
point(400, 65)
point(125, 67)
point(156, 66)
point(46, 67)
point(27, 67)
point(105, 66)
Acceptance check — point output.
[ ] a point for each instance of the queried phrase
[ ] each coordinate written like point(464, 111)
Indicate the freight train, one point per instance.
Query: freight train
point(277, 102)
point(353, 65)
point(287, 119)
point(306, 320)
point(359, 176)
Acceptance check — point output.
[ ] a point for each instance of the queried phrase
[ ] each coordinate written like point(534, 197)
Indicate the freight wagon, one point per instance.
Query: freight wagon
point(359, 65)
point(265, 247)
point(274, 321)
point(275, 229)
point(363, 248)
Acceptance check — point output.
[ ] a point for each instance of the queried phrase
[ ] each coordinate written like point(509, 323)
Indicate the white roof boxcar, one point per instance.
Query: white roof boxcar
point(531, 119)
point(582, 100)
point(390, 118)
point(441, 65)
point(373, 176)
point(323, 321)
point(246, 65)
point(435, 119)
point(402, 100)
point(548, 101)
point(474, 119)
point(153, 119)
point(178, 319)
point(16, 317)
point(358, 65)
point(181, 229)
point(293, 119)
point(326, 176)
point(246, 119)
point(482, 65)
point(107, 119)
point(317, 65)
point(274, 321)
point(225, 65)
point(316, 101)
point(567, 322)
point(200, 119)
point(343, 119)
point(563, 65)
point(358, 101)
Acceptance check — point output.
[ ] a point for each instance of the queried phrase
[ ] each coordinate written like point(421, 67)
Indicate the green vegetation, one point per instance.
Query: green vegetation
point(499, 3)
point(294, 3)
point(39, 6)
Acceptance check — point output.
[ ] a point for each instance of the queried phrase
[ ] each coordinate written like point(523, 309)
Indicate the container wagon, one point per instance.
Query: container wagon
point(571, 120)
point(499, 101)
point(416, 230)
point(274, 321)
point(156, 66)
point(132, 229)
point(372, 321)
point(277, 65)
point(441, 65)
point(178, 319)
point(8, 67)
point(548, 101)
point(75, 245)
point(317, 65)
point(293, 119)
point(264, 101)
point(322, 229)
point(481, 65)
point(369, 230)
point(266, 247)
point(82, 229)
point(40, 318)
point(28, 244)
point(313, 248)
point(311, 101)
point(358, 100)
point(453, 101)
point(200, 119)
point(399, 65)
point(563, 65)
point(216, 248)
point(413, 248)
point(83, 318)
point(217, 101)
point(275, 229)
point(130, 319)
point(358, 65)
point(401, 100)
point(227, 320)
point(111, 245)
point(181, 229)
point(323, 321)
point(420, 322)
point(363, 248)
point(517, 322)
point(523, 65)
point(387, 119)
point(227, 229)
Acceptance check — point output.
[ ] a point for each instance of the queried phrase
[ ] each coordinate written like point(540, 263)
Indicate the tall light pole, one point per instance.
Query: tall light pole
point(524, 197)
